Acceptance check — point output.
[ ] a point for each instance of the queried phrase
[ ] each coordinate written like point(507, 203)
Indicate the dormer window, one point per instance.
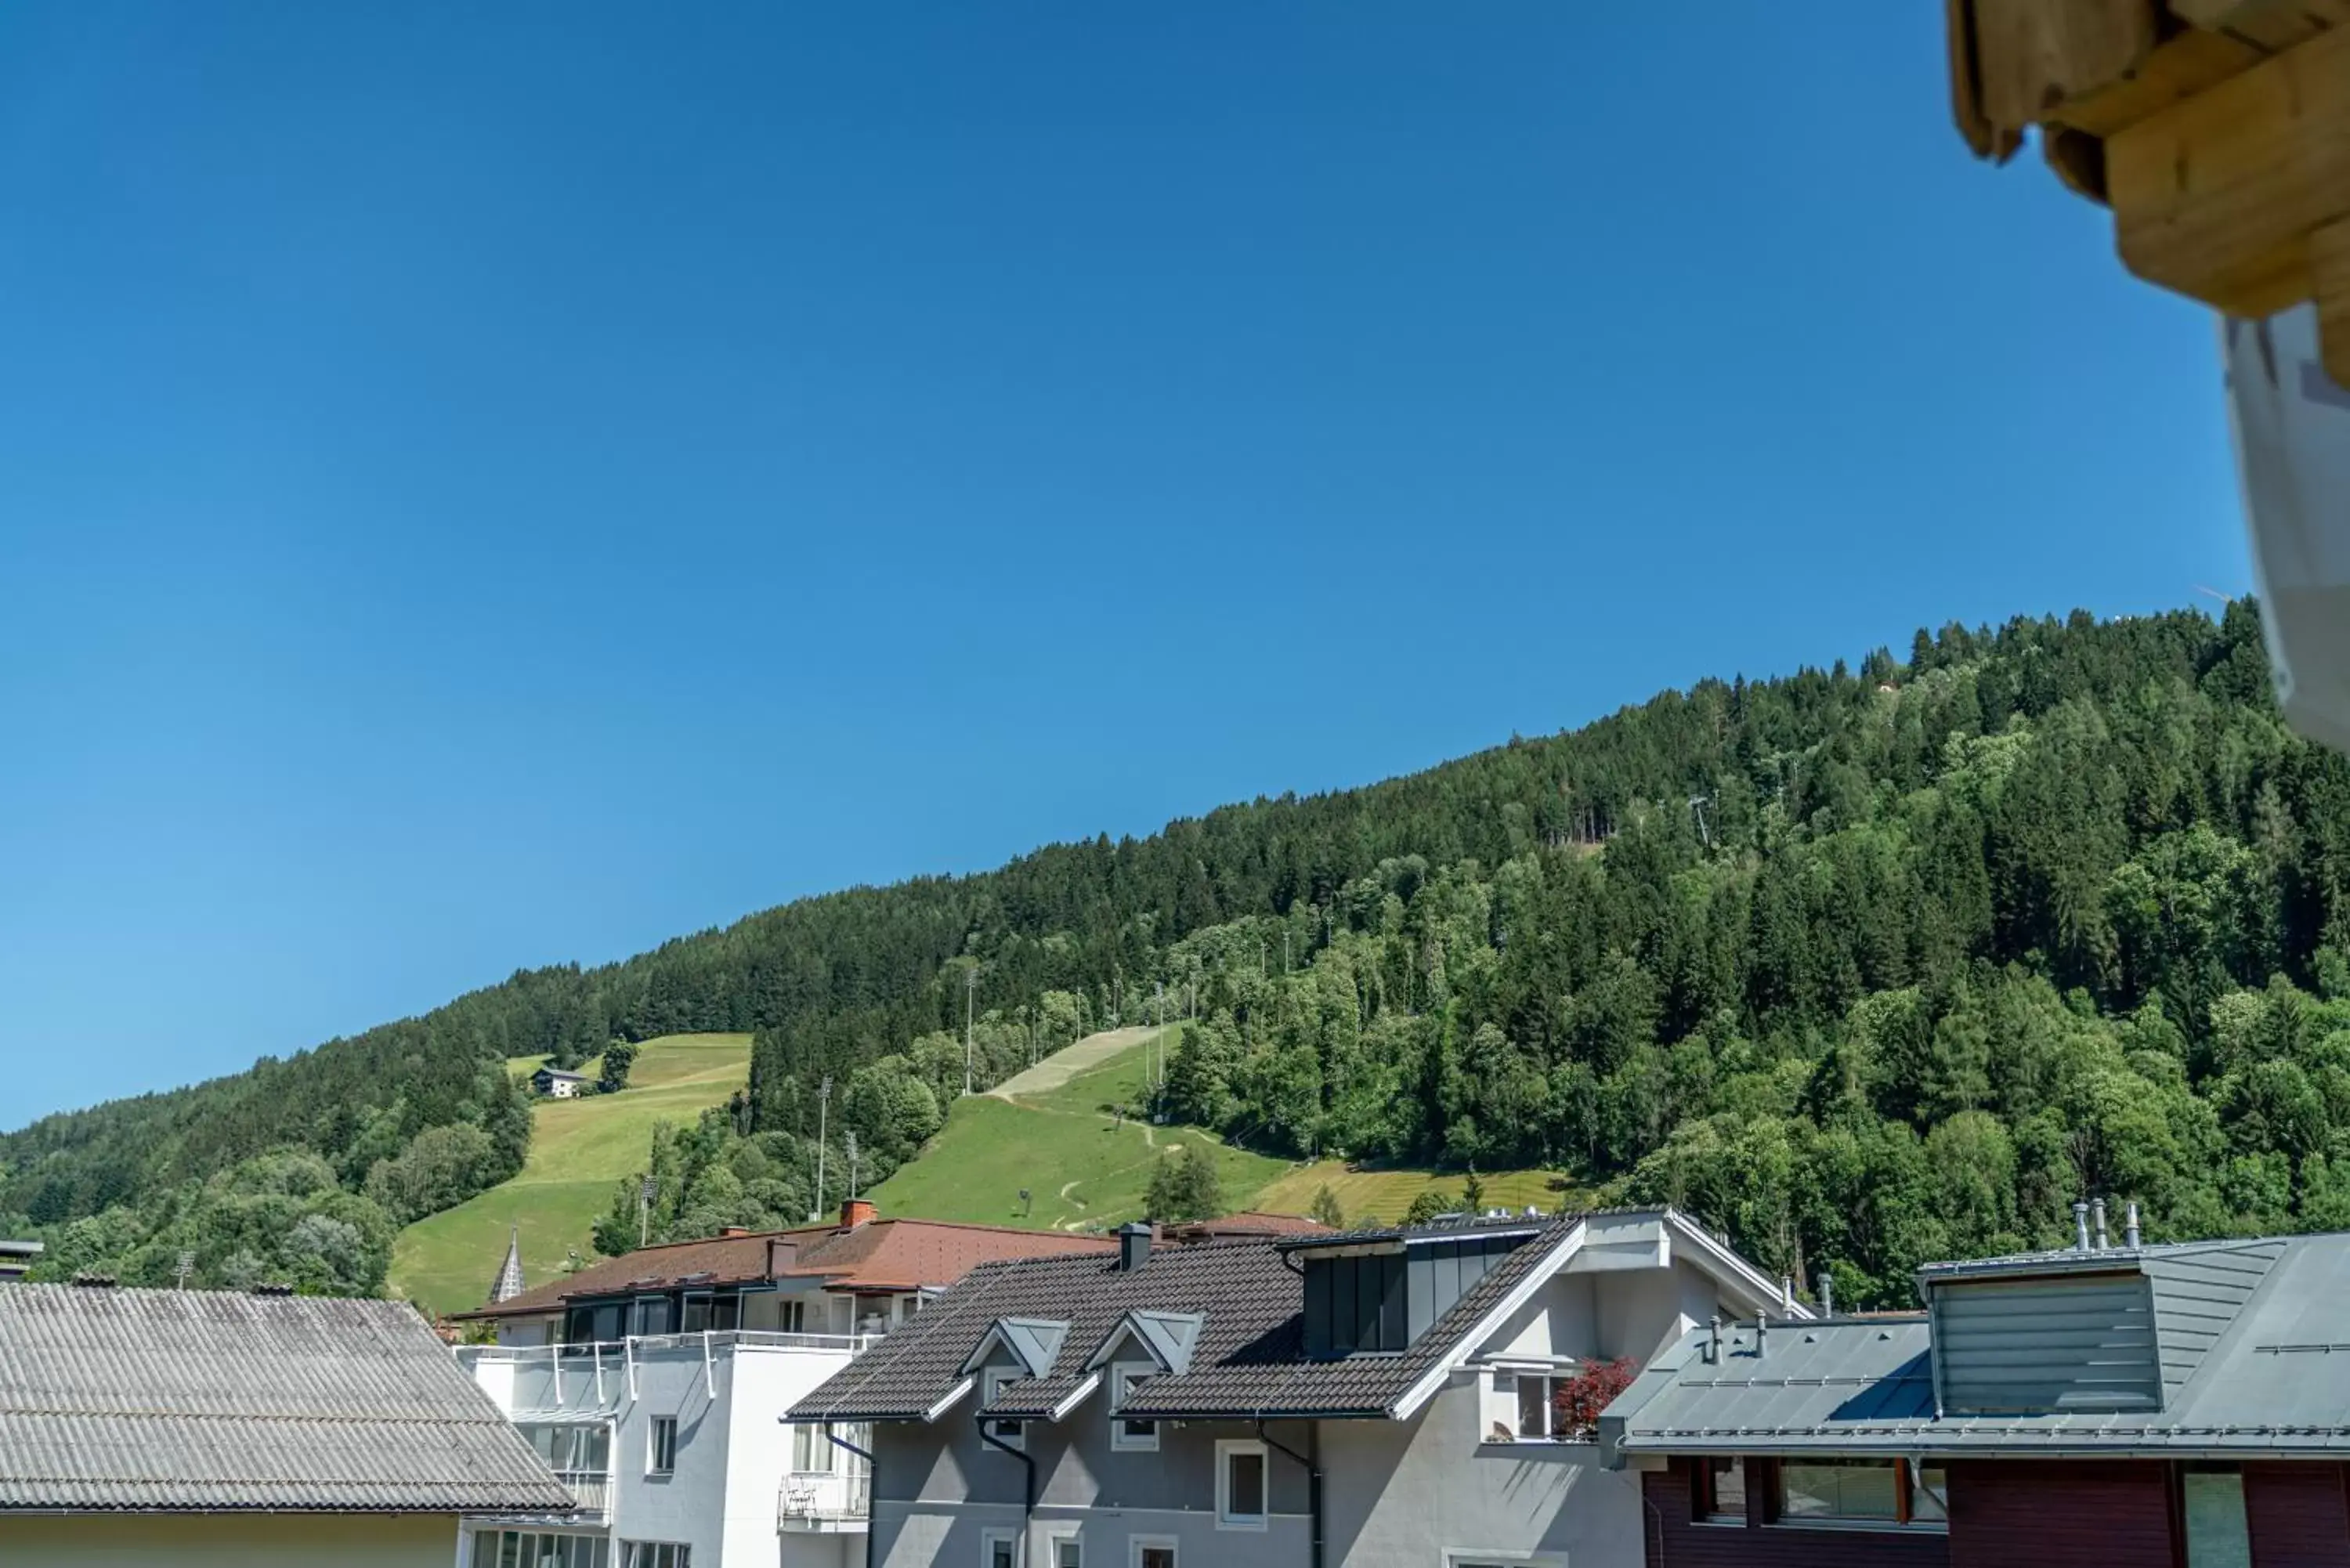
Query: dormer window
point(1012, 1433)
point(1130, 1437)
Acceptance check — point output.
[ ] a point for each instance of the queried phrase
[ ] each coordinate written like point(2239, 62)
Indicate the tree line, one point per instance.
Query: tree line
point(2051, 908)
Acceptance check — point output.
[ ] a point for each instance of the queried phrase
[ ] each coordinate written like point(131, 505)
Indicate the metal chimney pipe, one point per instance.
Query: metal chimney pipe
point(1827, 1293)
point(1786, 1296)
point(1712, 1352)
point(1762, 1327)
point(2097, 1220)
point(2080, 1226)
point(2129, 1227)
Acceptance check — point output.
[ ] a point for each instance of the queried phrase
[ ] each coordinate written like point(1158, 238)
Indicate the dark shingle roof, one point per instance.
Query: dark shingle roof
point(1249, 1358)
point(184, 1401)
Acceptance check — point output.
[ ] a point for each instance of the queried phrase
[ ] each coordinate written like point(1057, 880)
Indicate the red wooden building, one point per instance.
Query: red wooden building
point(2184, 1406)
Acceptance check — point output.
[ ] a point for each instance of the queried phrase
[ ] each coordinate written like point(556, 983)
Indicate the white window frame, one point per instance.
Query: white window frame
point(1227, 1448)
point(1137, 1544)
point(654, 1466)
point(993, 1535)
point(1055, 1536)
point(991, 1380)
point(1120, 1439)
point(647, 1553)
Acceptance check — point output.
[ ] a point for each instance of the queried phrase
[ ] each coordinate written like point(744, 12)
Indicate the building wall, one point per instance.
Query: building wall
point(923, 1534)
point(1403, 1494)
point(231, 1541)
point(2298, 1514)
point(1674, 1538)
point(732, 1451)
point(2090, 1513)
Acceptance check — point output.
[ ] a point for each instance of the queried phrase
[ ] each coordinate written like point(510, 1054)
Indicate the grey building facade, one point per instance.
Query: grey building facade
point(1401, 1396)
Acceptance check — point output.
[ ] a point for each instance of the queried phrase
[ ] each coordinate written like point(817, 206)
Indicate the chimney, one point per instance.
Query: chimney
point(1761, 1328)
point(855, 1212)
point(1787, 1295)
point(2097, 1220)
point(2129, 1227)
point(1711, 1350)
point(2080, 1227)
point(1827, 1293)
point(783, 1254)
point(1133, 1246)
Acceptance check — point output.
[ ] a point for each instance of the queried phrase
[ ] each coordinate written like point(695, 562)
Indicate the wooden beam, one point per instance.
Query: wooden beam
point(2033, 55)
point(2329, 277)
point(2176, 71)
point(2216, 196)
point(2273, 25)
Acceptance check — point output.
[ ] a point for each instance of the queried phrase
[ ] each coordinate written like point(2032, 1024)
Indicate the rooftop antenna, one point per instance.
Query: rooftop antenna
point(848, 1139)
point(969, 996)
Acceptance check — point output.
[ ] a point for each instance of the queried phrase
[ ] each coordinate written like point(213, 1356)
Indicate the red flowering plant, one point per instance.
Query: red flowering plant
point(1575, 1402)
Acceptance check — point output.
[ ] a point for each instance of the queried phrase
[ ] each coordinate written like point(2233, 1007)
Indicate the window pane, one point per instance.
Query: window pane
point(1929, 1495)
point(1807, 1491)
point(1838, 1492)
point(1159, 1557)
point(1533, 1407)
point(509, 1548)
point(999, 1553)
point(1245, 1489)
point(1726, 1488)
point(1066, 1553)
point(2216, 1533)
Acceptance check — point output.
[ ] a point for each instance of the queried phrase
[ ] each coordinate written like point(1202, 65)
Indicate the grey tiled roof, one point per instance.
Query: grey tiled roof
point(1504, 1225)
point(1249, 1358)
point(2276, 1380)
point(180, 1401)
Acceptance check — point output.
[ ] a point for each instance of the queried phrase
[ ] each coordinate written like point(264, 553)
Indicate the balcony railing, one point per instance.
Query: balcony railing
point(645, 1343)
point(816, 1496)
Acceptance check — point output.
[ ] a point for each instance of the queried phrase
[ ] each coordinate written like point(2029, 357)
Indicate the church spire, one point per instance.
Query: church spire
point(509, 1282)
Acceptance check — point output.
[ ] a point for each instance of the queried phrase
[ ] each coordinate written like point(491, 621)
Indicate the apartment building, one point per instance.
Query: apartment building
point(1416, 1396)
point(655, 1385)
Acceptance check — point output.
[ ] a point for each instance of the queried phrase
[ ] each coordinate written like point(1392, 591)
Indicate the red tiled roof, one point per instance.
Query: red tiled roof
point(879, 1255)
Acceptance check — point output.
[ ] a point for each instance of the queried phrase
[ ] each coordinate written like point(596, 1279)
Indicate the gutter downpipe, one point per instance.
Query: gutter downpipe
point(1028, 1497)
point(872, 1469)
point(1313, 1487)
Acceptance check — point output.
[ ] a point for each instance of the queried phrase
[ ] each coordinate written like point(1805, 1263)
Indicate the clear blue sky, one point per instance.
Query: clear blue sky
point(487, 486)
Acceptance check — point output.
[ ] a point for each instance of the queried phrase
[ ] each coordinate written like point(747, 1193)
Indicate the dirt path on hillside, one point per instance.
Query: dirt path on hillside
point(1071, 1060)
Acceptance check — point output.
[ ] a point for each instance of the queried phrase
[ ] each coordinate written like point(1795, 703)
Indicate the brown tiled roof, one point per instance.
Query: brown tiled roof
point(879, 1255)
point(1251, 1358)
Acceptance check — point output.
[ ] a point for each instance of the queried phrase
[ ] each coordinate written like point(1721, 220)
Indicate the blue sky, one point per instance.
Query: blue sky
point(479, 491)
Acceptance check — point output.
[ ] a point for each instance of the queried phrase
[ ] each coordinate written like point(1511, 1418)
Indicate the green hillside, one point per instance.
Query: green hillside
point(578, 1149)
point(1082, 1162)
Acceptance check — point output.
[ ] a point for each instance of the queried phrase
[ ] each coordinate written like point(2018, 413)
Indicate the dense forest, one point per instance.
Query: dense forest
point(1865, 966)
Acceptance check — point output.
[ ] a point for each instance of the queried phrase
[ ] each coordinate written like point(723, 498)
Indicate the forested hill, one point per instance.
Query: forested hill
point(1865, 966)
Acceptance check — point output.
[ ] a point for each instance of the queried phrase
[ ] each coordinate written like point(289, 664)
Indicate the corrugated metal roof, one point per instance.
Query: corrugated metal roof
point(180, 1401)
point(2273, 1376)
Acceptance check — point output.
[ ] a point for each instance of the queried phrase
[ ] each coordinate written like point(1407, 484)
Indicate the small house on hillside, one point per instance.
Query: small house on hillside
point(555, 1083)
point(172, 1427)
